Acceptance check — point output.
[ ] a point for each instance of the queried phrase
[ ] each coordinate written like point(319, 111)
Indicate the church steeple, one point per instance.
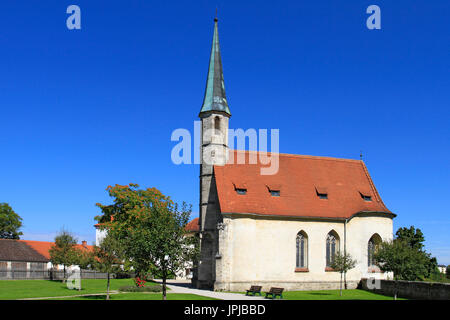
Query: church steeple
point(214, 116)
point(215, 98)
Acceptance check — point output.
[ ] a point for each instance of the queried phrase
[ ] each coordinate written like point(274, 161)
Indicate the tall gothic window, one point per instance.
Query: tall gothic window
point(332, 247)
point(301, 250)
point(372, 245)
point(370, 252)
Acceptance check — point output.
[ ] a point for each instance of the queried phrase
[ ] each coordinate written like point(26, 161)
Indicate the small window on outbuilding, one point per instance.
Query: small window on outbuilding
point(241, 191)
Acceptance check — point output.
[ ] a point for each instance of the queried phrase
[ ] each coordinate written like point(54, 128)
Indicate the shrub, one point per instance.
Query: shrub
point(139, 282)
point(153, 288)
point(124, 275)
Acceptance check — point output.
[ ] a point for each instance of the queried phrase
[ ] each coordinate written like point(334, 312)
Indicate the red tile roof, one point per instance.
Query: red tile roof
point(299, 179)
point(43, 247)
point(193, 226)
point(16, 250)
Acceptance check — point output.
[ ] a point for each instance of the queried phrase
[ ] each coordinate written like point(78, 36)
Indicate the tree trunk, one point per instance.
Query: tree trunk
point(64, 274)
point(107, 288)
point(340, 286)
point(345, 280)
point(395, 289)
point(164, 286)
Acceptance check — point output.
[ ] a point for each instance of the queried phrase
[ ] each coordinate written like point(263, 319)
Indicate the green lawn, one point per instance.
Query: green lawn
point(350, 294)
point(19, 289)
point(142, 296)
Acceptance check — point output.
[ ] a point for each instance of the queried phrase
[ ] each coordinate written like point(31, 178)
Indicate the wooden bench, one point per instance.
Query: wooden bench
point(254, 290)
point(274, 292)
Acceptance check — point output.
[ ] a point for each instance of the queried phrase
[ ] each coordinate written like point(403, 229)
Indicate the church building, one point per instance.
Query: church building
point(282, 229)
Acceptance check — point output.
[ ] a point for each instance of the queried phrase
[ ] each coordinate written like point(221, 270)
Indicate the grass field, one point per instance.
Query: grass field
point(142, 296)
point(19, 289)
point(350, 294)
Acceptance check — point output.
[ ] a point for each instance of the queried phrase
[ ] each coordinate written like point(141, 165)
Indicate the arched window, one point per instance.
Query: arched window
point(372, 245)
point(217, 125)
point(332, 247)
point(301, 250)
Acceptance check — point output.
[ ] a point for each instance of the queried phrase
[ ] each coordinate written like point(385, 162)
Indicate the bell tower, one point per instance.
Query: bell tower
point(214, 116)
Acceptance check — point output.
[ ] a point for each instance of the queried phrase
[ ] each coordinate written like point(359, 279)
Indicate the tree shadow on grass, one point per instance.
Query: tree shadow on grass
point(320, 294)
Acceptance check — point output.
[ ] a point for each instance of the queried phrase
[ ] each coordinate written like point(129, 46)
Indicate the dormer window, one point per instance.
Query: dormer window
point(322, 192)
point(274, 189)
point(240, 188)
point(365, 195)
point(275, 193)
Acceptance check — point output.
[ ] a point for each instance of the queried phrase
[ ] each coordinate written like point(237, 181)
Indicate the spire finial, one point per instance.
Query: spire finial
point(360, 155)
point(215, 18)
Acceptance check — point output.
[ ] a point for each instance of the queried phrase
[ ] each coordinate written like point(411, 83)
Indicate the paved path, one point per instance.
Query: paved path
point(183, 286)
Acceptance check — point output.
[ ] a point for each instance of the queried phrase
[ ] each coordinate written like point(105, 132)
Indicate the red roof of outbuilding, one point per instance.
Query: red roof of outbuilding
point(192, 225)
point(16, 250)
point(43, 247)
point(299, 180)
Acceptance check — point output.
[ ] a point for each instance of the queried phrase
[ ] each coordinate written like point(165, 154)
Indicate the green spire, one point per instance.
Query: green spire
point(215, 98)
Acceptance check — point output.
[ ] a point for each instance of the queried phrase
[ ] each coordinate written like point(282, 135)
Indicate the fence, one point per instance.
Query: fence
point(54, 275)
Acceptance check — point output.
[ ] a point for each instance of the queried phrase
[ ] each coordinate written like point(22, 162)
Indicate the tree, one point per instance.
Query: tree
point(406, 262)
point(151, 228)
point(108, 258)
point(415, 239)
point(10, 223)
point(84, 258)
point(447, 271)
point(431, 267)
point(412, 236)
point(342, 262)
point(64, 251)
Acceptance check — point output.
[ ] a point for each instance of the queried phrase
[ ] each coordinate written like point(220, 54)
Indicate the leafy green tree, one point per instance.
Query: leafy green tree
point(342, 262)
point(432, 267)
point(406, 262)
point(10, 223)
point(447, 271)
point(415, 239)
point(108, 258)
point(151, 229)
point(64, 250)
point(412, 236)
point(84, 258)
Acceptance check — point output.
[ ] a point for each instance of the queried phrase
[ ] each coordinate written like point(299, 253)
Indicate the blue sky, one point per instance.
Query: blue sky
point(83, 109)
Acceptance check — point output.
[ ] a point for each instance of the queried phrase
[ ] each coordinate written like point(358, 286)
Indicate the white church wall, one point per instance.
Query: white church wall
point(359, 232)
point(263, 251)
